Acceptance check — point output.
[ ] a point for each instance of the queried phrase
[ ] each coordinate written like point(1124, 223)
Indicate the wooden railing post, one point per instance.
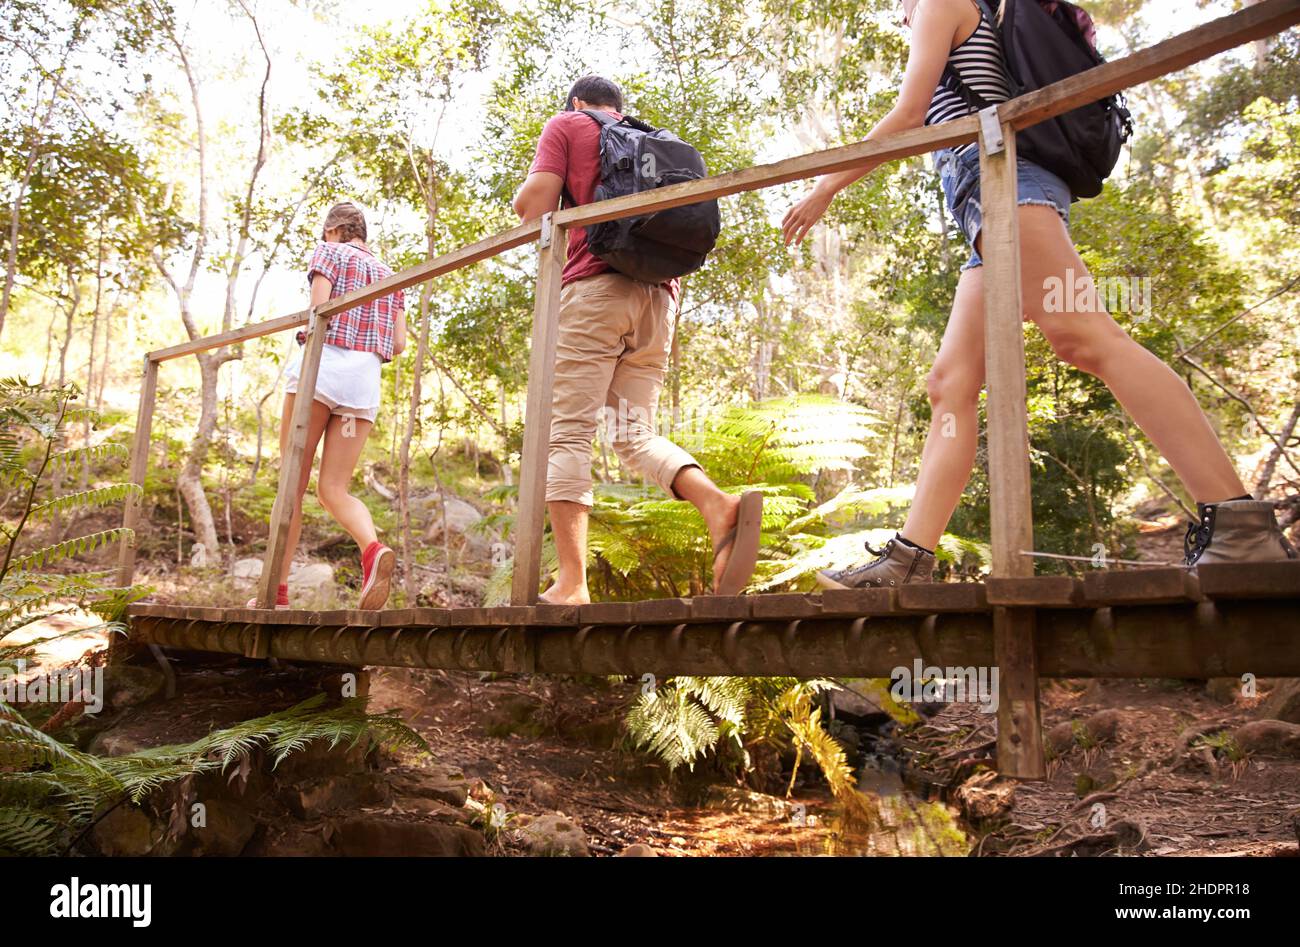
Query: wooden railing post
point(139, 468)
point(1020, 742)
point(291, 462)
point(531, 517)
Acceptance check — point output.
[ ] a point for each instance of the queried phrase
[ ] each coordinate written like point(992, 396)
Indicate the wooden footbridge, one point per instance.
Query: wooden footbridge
point(1224, 620)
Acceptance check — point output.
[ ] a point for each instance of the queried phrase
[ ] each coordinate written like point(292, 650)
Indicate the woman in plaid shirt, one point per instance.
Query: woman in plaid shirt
point(357, 344)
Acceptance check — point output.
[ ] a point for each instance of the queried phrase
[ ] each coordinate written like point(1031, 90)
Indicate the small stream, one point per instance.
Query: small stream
point(912, 820)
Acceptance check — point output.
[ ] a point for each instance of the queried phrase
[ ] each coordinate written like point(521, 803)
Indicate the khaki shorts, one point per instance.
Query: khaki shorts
point(615, 336)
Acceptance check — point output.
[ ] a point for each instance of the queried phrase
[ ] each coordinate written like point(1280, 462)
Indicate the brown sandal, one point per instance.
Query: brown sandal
point(743, 541)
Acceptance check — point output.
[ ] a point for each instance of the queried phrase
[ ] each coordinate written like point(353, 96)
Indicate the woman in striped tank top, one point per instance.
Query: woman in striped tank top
point(960, 34)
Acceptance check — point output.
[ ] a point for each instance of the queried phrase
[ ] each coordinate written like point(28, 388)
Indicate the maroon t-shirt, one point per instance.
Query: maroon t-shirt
point(570, 148)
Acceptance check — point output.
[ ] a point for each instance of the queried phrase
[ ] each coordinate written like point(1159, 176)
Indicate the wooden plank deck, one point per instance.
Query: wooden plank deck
point(1224, 621)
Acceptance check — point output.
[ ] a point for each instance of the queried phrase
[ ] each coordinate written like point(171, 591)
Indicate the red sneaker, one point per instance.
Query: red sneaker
point(252, 603)
point(377, 564)
point(281, 599)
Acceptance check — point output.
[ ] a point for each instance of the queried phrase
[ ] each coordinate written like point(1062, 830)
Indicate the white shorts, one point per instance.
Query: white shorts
point(347, 381)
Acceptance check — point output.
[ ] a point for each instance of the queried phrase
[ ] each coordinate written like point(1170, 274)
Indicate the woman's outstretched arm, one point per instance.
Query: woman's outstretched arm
point(935, 24)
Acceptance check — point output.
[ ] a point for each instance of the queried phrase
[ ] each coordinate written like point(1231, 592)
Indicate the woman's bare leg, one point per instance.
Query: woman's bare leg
point(1150, 391)
point(344, 439)
point(320, 414)
point(953, 385)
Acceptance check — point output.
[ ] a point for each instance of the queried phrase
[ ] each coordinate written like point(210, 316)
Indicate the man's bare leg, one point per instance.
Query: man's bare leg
point(569, 527)
point(718, 509)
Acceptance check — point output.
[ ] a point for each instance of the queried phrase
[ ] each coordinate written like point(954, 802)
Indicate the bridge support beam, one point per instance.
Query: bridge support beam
point(531, 517)
point(1224, 637)
point(292, 461)
point(1020, 735)
point(139, 468)
point(117, 644)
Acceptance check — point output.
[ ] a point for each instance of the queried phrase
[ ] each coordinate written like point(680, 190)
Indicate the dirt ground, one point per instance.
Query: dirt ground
point(540, 746)
point(1142, 787)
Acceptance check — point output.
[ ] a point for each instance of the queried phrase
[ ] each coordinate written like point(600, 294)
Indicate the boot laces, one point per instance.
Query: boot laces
point(883, 552)
point(881, 555)
point(1195, 541)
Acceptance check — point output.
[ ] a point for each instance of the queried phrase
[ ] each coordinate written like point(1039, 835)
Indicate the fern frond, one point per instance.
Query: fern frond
point(671, 726)
point(724, 697)
point(77, 546)
point(91, 455)
point(26, 831)
point(97, 496)
point(23, 746)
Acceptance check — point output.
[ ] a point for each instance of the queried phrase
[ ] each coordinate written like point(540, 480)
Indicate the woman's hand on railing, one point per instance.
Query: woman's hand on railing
point(800, 218)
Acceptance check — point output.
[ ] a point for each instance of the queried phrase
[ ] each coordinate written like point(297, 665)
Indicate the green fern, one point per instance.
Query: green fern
point(99, 496)
point(93, 455)
point(687, 718)
point(68, 548)
point(42, 809)
point(672, 726)
point(27, 831)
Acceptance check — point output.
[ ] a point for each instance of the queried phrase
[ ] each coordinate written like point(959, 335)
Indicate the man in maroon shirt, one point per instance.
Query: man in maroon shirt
point(615, 335)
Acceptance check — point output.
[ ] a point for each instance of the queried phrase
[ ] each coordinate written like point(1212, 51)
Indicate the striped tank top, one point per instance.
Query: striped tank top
point(978, 60)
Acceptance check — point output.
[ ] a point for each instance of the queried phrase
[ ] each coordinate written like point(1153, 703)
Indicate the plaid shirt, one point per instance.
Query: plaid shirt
point(366, 328)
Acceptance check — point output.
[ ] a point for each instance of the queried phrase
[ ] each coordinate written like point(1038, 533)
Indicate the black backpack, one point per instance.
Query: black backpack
point(660, 246)
point(1044, 41)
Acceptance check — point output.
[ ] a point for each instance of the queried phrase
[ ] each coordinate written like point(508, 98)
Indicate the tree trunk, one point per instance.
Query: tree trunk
point(56, 476)
point(92, 348)
point(404, 459)
point(49, 346)
point(190, 480)
point(90, 387)
point(1284, 436)
point(430, 190)
point(20, 193)
point(507, 473)
point(106, 362)
point(1263, 46)
point(675, 368)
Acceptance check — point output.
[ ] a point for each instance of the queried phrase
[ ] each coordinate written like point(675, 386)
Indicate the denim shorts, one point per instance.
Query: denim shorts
point(960, 176)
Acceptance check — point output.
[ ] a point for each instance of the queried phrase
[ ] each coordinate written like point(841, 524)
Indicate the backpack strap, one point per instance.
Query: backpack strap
point(989, 13)
point(953, 83)
point(603, 119)
point(952, 80)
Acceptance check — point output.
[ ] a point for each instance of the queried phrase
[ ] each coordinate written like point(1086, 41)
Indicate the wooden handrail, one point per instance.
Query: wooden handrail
point(904, 144)
point(421, 272)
